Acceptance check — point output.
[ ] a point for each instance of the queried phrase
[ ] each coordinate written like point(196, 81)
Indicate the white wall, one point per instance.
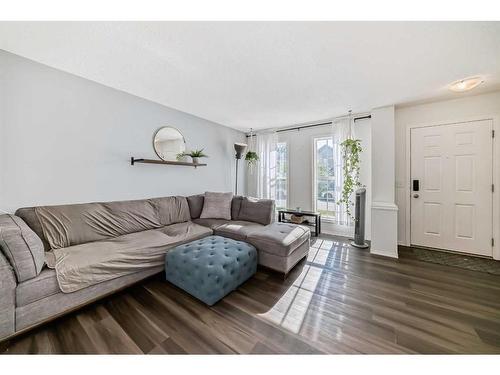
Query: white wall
point(383, 210)
point(300, 171)
point(65, 139)
point(442, 112)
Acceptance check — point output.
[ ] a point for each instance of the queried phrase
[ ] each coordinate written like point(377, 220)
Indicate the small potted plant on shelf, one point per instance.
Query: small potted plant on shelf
point(181, 156)
point(196, 154)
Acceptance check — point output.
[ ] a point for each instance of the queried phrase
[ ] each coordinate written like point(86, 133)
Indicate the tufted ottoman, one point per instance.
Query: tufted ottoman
point(211, 267)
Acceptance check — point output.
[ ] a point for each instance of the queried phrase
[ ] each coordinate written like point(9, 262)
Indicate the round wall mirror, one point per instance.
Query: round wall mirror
point(168, 142)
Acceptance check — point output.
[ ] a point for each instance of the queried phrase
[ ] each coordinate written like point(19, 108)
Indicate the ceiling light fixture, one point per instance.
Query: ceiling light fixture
point(466, 84)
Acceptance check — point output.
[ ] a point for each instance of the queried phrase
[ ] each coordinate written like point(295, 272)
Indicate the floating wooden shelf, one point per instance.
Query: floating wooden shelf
point(153, 161)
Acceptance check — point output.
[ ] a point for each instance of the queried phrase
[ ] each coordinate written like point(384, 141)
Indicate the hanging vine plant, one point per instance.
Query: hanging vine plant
point(351, 150)
point(251, 156)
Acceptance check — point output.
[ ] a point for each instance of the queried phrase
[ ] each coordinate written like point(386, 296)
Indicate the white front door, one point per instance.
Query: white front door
point(452, 207)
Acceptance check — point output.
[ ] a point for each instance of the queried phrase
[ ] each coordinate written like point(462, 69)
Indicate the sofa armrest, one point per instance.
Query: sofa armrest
point(8, 286)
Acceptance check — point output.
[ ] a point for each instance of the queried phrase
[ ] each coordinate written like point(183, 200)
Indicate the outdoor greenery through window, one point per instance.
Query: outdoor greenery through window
point(324, 177)
point(281, 193)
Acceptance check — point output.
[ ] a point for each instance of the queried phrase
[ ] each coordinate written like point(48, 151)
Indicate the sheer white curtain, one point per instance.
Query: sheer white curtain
point(262, 179)
point(341, 130)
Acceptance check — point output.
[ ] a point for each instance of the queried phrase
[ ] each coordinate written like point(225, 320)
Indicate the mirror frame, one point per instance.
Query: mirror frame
point(160, 129)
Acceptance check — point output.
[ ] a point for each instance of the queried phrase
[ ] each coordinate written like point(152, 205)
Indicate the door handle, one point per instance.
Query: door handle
point(415, 195)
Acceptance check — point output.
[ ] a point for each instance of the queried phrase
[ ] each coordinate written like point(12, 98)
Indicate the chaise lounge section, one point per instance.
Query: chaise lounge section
point(96, 249)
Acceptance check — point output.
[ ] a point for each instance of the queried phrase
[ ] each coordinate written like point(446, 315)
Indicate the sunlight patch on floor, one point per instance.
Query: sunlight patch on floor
point(291, 309)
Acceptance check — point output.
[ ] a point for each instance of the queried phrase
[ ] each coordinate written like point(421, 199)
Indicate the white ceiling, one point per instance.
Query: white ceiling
point(267, 74)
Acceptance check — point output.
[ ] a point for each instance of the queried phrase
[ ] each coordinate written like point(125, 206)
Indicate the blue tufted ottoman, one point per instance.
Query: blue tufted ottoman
point(210, 268)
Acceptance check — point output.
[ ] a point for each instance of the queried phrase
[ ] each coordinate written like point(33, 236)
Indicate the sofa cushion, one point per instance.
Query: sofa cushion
point(191, 231)
point(217, 205)
point(236, 206)
point(135, 216)
point(171, 210)
point(236, 229)
point(279, 238)
point(257, 210)
point(75, 224)
point(22, 247)
point(7, 298)
point(87, 264)
point(29, 216)
point(284, 264)
point(42, 286)
point(195, 203)
point(211, 223)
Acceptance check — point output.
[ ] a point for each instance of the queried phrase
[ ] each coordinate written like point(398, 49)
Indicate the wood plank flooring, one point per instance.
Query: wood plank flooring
point(341, 300)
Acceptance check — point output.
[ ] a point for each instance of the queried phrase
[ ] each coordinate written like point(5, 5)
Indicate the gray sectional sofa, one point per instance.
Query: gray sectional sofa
point(95, 249)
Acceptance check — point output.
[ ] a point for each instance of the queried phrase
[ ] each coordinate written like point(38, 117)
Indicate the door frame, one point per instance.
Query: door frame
point(495, 172)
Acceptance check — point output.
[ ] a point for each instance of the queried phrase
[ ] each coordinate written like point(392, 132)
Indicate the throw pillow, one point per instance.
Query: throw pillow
point(217, 206)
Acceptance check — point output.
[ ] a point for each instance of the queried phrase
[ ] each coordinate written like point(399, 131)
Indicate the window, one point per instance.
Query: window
point(281, 192)
point(324, 181)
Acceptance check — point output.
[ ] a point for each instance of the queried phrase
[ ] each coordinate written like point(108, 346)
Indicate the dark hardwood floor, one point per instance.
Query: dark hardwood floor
point(341, 300)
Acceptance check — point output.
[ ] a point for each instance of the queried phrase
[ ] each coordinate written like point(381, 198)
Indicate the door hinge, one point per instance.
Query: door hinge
point(492, 134)
point(492, 242)
point(492, 188)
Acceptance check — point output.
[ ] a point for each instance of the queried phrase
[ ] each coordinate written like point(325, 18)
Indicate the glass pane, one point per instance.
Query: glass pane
point(325, 177)
point(281, 192)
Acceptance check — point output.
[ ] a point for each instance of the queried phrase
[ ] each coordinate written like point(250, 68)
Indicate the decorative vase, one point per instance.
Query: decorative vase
point(195, 159)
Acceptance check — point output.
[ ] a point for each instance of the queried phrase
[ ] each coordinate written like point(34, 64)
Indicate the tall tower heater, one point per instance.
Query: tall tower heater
point(359, 219)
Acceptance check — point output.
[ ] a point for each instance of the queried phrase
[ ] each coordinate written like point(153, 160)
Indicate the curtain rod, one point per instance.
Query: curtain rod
point(319, 124)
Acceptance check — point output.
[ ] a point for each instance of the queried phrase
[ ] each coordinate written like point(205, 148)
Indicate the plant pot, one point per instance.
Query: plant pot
point(195, 159)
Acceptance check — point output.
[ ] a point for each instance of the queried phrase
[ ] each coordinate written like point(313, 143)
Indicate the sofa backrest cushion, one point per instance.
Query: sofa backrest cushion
point(236, 206)
point(29, 216)
point(74, 224)
point(196, 205)
point(22, 247)
point(257, 210)
point(131, 216)
point(171, 210)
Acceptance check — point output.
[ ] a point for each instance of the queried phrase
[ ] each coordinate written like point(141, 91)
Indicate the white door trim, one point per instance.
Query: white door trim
point(496, 175)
